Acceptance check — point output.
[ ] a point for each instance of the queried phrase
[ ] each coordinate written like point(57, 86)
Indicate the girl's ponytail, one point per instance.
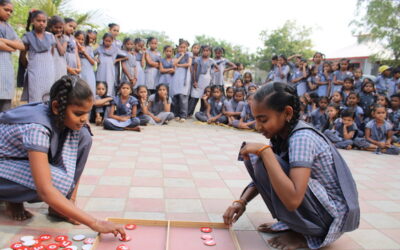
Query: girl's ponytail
point(32, 15)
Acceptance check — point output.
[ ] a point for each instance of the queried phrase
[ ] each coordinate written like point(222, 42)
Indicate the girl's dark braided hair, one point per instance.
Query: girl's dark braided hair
point(66, 91)
point(277, 96)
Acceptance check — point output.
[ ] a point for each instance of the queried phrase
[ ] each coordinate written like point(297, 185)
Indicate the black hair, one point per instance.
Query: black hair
point(66, 91)
point(352, 93)
point(219, 49)
point(157, 98)
point(149, 39)
point(181, 41)
point(4, 2)
point(251, 94)
point(166, 47)
point(323, 98)
point(248, 73)
point(283, 57)
point(348, 113)
point(335, 106)
point(239, 90)
point(274, 58)
point(32, 15)
point(124, 83)
point(53, 21)
point(112, 25)
point(79, 32)
point(344, 60)
point(107, 34)
point(125, 41)
point(397, 95)
point(277, 96)
point(376, 106)
point(228, 88)
point(88, 32)
point(396, 70)
point(69, 20)
point(105, 86)
point(203, 47)
point(314, 97)
point(386, 98)
point(349, 79)
point(137, 40)
point(219, 87)
point(207, 88)
point(319, 53)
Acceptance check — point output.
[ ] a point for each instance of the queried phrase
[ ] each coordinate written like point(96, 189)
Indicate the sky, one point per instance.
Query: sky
point(238, 22)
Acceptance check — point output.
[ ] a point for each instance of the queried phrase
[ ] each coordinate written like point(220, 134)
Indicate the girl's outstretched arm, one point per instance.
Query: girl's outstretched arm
point(48, 193)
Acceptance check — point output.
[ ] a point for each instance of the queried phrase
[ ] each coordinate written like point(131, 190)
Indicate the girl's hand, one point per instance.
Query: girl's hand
point(233, 213)
point(382, 144)
point(210, 120)
point(103, 226)
point(156, 119)
point(250, 148)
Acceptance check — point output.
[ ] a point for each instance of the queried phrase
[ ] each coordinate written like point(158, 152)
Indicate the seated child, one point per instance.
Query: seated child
point(352, 103)
point(123, 111)
point(233, 108)
point(159, 107)
point(142, 108)
point(238, 84)
point(344, 132)
point(394, 117)
point(367, 96)
point(319, 116)
point(204, 103)
point(214, 113)
point(229, 93)
point(101, 103)
point(247, 120)
point(333, 112)
point(251, 88)
point(337, 99)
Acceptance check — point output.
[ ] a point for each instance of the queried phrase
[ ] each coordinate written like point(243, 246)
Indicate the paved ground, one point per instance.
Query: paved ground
point(189, 172)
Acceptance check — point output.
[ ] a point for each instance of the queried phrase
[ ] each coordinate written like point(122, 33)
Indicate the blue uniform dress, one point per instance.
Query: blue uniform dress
point(379, 133)
point(236, 75)
point(322, 90)
point(130, 65)
point(140, 72)
point(71, 53)
point(87, 71)
point(122, 109)
point(394, 118)
point(105, 68)
point(285, 72)
point(340, 76)
point(157, 109)
point(393, 86)
point(318, 119)
point(31, 127)
point(336, 134)
point(117, 44)
point(330, 206)
point(301, 86)
point(152, 73)
point(217, 107)
point(6, 65)
point(60, 61)
point(246, 116)
point(382, 84)
point(166, 78)
point(366, 102)
point(180, 87)
point(218, 77)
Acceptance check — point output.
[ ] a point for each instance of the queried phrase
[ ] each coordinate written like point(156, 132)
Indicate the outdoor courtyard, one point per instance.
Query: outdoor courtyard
point(190, 172)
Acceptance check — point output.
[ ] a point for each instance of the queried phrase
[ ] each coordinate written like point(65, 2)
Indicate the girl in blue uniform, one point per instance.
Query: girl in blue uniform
point(86, 56)
point(153, 58)
point(159, 106)
point(140, 61)
point(73, 60)
point(224, 65)
point(44, 148)
point(324, 79)
point(9, 42)
point(129, 66)
point(56, 26)
point(113, 29)
point(303, 180)
point(167, 68)
point(215, 107)
point(281, 70)
point(234, 106)
point(341, 74)
point(367, 96)
point(246, 120)
point(299, 79)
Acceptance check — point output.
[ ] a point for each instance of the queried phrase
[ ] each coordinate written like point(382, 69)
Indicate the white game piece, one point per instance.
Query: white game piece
point(87, 247)
point(29, 243)
point(27, 238)
point(79, 237)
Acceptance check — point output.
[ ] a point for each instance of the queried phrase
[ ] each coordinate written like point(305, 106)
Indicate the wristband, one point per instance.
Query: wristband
point(262, 149)
point(244, 203)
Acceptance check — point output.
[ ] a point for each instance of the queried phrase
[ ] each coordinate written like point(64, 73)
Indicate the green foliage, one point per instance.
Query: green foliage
point(234, 53)
point(287, 40)
point(379, 21)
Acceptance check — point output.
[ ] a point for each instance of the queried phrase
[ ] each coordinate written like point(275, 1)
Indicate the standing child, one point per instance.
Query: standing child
point(204, 102)
point(238, 72)
point(271, 73)
point(86, 56)
point(129, 66)
point(39, 46)
point(202, 76)
point(384, 101)
point(324, 80)
point(101, 103)
point(106, 54)
point(215, 107)
point(44, 150)
point(140, 61)
point(159, 107)
point(394, 83)
point(230, 92)
point(167, 68)
point(113, 29)
point(234, 107)
point(247, 80)
point(379, 132)
point(383, 80)
point(247, 120)
point(319, 116)
point(340, 74)
point(180, 86)
point(318, 60)
point(9, 42)
point(299, 79)
point(56, 26)
point(358, 80)
point(153, 58)
point(312, 80)
point(367, 96)
point(281, 70)
point(394, 117)
point(348, 87)
point(122, 114)
point(224, 65)
point(238, 84)
point(333, 112)
point(73, 60)
point(344, 132)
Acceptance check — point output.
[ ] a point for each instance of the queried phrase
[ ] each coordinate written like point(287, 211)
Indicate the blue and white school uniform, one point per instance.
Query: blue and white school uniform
point(246, 116)
point(394, 118)
point(216, 109)
point(152, 73)
point(105, 68)
point(122, 109)
point(40, 71)
point(318, 119)
point(60, 61)
point(322, 90)
point(203, 77)
point(382, 85)
point(32, 127)
point(130, 66)
point(380, 133)
point(358, 85)
point(140, 72)
point(87, 70)
point(218, 77)
point(6, 65)
point(285, 72)
point(340, 76)
point(157, 109)
point(236, 75)
point(181, 86)
point(336, 135)
point(330, 206)
point(117, 44)
point(312, 80)
point(366, 102)
point(166, 78)
point(393, 86)
point(301, 86)
point(233, 106)
point(71, 53)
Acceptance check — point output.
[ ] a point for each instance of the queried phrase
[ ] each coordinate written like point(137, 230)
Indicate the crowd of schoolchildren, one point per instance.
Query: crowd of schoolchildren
point(136, 85)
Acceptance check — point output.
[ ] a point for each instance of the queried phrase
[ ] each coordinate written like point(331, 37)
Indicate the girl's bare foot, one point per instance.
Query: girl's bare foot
point(55, 214)
point(267, 228)
point(288, 241)
point(137, 128)
point(17, 211)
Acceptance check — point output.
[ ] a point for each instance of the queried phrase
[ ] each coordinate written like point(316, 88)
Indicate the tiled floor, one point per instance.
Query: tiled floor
point(189, 172)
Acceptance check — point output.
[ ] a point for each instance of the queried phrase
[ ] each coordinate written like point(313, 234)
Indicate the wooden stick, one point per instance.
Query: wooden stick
point(167, 240)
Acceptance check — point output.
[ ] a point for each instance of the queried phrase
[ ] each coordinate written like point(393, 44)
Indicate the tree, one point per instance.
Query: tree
point(234, 53)
point(287, 40)
point(379, 21)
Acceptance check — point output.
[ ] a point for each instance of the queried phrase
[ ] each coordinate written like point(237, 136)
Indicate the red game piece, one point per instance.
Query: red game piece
point(130, 226)
point(210, 243)
point(207, 237)
point(52, 246)
point(61, 238)
point(65, 243)
point(44, 237)
point(17, 245)
point(88, 241)
point(122, 247)
point(126, 239)
point(38, 247)
point(206, 229)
